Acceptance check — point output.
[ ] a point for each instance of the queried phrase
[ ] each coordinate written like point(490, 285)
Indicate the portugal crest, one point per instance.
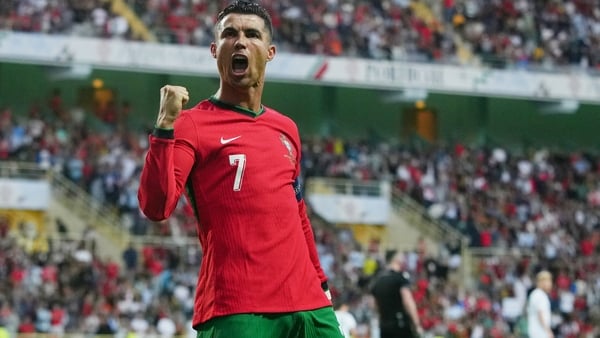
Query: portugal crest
point(288, 146)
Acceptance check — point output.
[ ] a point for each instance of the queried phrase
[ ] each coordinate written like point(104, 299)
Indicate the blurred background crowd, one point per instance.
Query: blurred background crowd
point(540, 206)
point(502, 33)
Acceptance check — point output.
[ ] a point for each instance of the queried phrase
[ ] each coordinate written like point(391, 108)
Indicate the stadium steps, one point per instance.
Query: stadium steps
point(402, 235)
point(416, 215)
point(138, 28)
point(75, 208)
point(409, 222)
point(423, 12)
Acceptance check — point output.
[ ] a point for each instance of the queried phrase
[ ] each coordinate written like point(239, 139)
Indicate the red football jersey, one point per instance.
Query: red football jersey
point(239, 171)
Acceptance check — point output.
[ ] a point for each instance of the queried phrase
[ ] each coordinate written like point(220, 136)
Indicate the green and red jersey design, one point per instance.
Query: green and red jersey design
point(239, 171)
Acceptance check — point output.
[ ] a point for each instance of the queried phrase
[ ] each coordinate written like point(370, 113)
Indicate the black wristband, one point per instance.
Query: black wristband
point(324, 286)
point(163, 133)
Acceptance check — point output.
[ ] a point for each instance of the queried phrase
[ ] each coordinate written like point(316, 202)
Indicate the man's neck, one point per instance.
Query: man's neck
point(248, 98)
point(394, 267)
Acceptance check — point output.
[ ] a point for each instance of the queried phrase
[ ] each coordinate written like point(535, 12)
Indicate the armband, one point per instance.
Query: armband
point(298, 189)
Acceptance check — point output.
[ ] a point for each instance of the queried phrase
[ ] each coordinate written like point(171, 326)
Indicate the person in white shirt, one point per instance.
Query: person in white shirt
point(538, 307)
point(346, 320)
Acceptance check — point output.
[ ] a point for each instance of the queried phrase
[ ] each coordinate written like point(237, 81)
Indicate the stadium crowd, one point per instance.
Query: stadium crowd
point(502, 33)
point(540, 208)
point(533, 209)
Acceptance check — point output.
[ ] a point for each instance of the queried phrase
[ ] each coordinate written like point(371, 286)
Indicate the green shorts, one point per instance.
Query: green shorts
point(319, 323)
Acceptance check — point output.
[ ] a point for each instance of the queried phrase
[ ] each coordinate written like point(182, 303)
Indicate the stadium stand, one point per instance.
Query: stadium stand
point(521, 34)
point(526, 210)
point(529, 210)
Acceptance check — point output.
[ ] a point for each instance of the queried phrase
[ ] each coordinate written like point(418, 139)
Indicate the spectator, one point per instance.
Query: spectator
point(522, 33)
point(130, 258)
point(346, 319)
point(538, 308)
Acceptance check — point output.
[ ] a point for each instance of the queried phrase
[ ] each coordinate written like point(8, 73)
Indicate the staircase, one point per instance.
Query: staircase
point(410, 221)
point(423, 11)
point(78, 210)
point(74, 205)
point(75, 208)
point(138, 28)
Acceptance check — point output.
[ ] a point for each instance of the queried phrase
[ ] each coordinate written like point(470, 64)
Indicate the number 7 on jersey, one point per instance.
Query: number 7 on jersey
point(238, 160)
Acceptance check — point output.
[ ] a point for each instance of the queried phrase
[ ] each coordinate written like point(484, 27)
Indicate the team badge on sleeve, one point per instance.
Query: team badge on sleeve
point(288, 145)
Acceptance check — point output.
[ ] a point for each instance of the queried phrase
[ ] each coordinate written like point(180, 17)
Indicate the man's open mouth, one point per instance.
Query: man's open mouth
point(239, 64)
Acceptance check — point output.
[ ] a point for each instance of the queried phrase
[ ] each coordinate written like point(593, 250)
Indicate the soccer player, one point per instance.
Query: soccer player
point(239, 163)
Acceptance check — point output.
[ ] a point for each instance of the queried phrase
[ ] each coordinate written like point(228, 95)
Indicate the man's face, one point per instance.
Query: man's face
point(546, 285)
point(242, 48)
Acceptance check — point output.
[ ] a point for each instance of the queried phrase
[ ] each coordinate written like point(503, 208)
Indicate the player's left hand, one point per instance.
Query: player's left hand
point(325, 288)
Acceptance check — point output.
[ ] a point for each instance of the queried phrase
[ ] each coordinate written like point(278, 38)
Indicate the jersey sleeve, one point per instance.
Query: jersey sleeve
point(166, 168)
point(306, 224)
point(310, 241)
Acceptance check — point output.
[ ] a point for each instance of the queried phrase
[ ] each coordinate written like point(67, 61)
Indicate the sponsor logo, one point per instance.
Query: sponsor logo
point(227, 140)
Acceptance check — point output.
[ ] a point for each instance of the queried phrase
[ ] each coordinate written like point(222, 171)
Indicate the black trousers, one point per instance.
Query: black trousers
point(397, 333)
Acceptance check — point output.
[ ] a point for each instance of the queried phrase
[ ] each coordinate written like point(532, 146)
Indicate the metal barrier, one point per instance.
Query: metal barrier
point(12, 169)
point(80, 203)
point(347, 187)
point(88, 208)
point(428, 225)
point(409, 209)
point(436, 229)
point(75, 198)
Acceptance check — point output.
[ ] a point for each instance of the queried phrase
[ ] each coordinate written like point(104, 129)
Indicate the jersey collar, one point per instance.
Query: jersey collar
point(236, 108)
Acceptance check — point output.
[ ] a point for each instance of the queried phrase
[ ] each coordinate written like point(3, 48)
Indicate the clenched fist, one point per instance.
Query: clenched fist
point(172, 100)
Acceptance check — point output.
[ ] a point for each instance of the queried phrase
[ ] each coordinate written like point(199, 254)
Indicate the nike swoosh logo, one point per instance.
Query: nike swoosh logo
point(227, 140)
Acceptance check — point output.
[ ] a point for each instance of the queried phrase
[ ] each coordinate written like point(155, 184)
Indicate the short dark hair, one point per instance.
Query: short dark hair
point(247, 7)
point(389, 255)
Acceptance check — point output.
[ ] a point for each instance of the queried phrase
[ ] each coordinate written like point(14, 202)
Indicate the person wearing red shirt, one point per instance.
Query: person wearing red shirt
point(586, 247)
point(563, 281)
point(239, 163)
point(26, 326)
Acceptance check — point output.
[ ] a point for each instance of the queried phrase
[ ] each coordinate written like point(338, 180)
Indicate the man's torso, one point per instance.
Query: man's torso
point(255, 254)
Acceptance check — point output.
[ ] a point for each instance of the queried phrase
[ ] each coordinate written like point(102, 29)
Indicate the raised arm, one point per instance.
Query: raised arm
point(169, 160)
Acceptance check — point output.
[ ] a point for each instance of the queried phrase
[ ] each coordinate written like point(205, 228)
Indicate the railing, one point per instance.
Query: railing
point(84, 206)
point(418, 214)
point(88, 208)
point(97, 213)
point(434, 228)
point(479, 254)
point(137, 26)
point(410, 210)
point(428, 226)
point(348, 187)
point(69, 194)
point(11, 169)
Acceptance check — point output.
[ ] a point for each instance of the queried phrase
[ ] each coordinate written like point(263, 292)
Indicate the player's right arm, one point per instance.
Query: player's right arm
point(169, 159)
